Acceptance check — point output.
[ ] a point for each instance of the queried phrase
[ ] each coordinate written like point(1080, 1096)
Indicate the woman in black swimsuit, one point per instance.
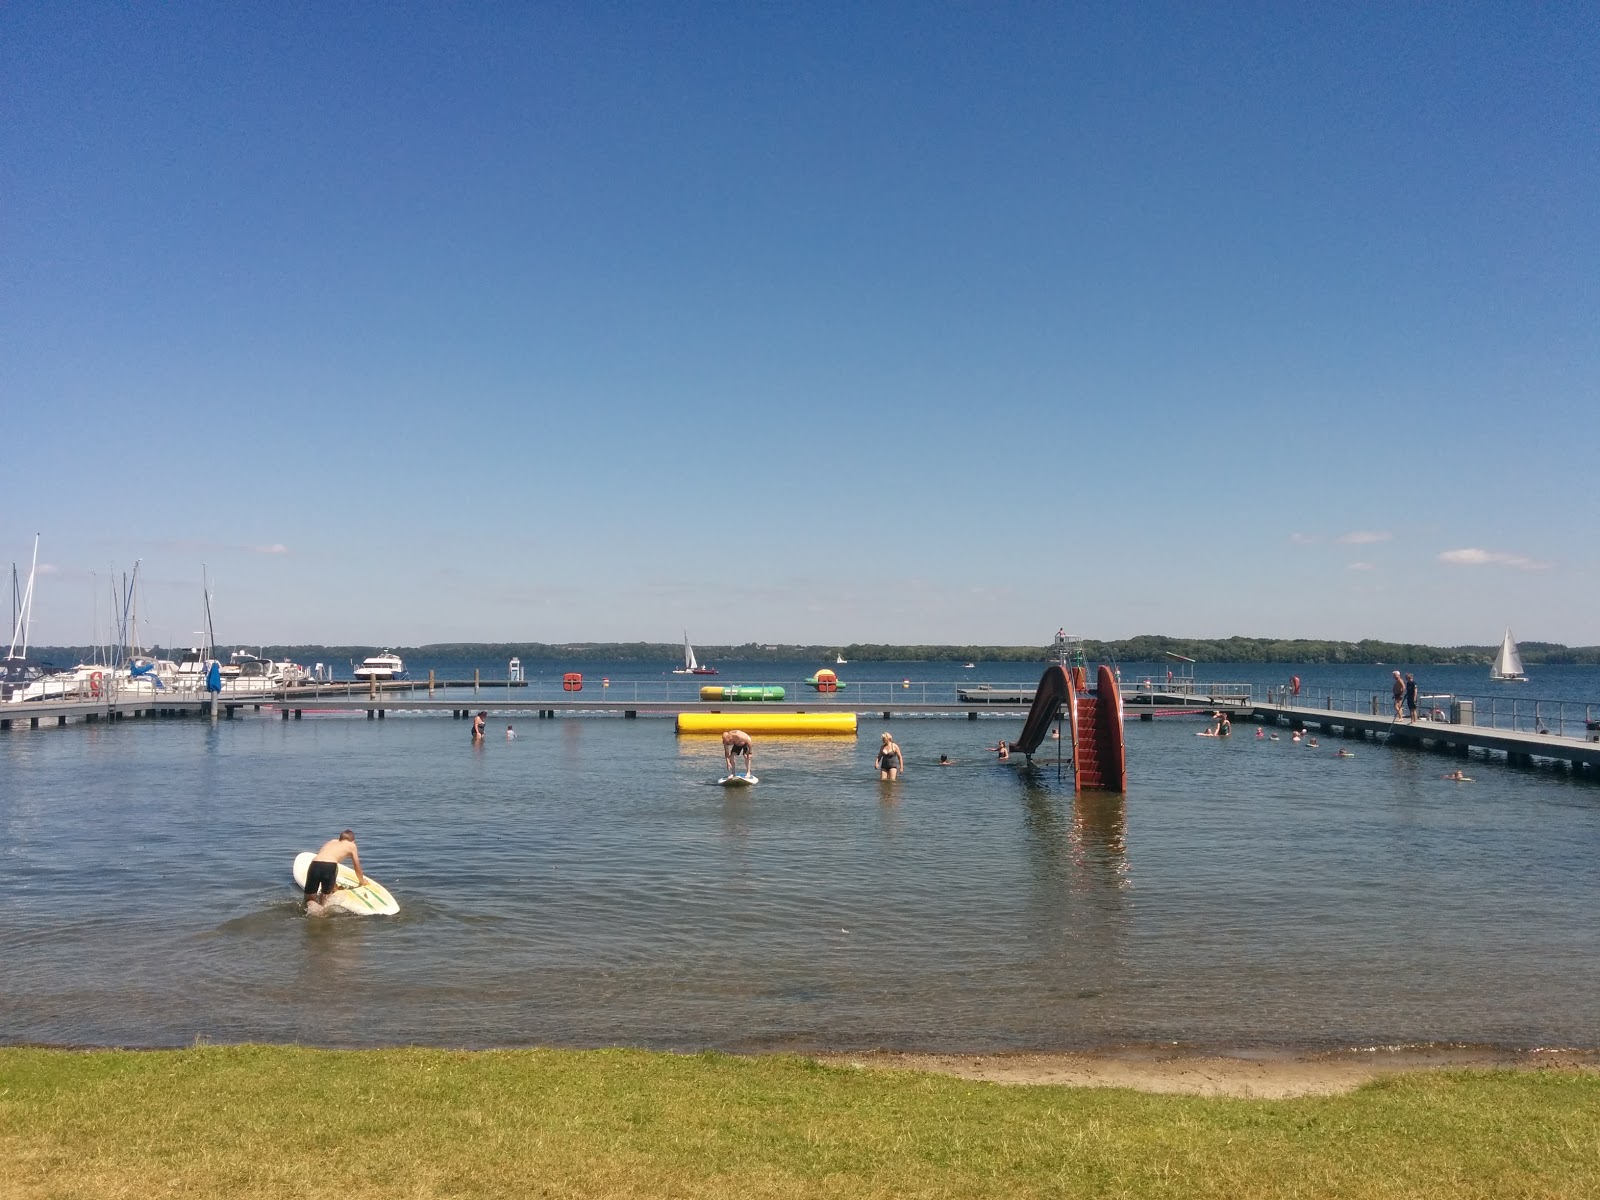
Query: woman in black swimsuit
point(890, 761)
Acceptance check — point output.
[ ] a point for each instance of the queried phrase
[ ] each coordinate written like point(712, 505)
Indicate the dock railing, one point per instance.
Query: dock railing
point(1521, 714)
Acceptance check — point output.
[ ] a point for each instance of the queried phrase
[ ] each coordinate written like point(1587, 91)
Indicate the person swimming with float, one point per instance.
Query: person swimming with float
point(322, 875)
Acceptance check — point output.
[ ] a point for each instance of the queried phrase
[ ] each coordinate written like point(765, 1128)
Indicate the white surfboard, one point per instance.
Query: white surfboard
point(738, 780)
point(370, 899)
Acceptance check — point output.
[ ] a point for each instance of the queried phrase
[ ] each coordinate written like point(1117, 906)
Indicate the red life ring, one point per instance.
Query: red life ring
point(572, 681)
point(1294, 684)
point(94, 683)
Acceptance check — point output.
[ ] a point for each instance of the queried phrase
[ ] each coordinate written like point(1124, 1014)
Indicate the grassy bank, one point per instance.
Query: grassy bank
point(269, 1121)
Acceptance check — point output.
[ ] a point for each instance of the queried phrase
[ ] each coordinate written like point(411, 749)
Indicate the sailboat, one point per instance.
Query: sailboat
point(690, 665)
point(839, 659)
point(1508, 663)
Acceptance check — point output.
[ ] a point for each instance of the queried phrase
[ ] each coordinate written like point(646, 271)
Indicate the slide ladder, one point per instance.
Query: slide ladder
point(1094, 719)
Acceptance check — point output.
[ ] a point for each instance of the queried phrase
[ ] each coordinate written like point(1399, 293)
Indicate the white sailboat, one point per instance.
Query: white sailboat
point(839, 659)
point(1508, 663)
point(690, 665)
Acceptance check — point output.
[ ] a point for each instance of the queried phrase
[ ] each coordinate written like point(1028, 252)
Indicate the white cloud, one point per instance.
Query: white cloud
point(275, 548)
point(49, 569)
point(1305, 539)
point(1362, 566)
point(1471, 556)
point(1365, 537)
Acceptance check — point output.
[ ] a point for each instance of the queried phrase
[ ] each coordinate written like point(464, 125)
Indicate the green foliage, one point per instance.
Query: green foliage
point(1144, 648)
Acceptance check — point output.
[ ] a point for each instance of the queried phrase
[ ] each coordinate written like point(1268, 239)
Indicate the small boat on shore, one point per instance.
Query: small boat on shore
point(1507, 666)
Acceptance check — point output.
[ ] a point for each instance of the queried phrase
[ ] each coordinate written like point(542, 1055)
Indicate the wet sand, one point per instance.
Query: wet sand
point(1242, 1074)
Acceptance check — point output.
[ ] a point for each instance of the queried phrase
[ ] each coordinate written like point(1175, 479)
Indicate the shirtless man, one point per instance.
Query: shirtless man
point(736, 742)
point(1399, 694)
point(322, 876)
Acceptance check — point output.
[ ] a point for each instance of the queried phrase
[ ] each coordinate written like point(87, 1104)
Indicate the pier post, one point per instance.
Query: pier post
point(630, 713)
point(369, 714)
point(381, 712)
point(474, 681)
point(430, 683)
point(297, 714)
point(284, 713)
point(33, 722)
point(5, 723)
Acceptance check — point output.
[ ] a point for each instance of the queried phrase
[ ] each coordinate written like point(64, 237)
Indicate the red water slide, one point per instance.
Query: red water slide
point(1099, 758)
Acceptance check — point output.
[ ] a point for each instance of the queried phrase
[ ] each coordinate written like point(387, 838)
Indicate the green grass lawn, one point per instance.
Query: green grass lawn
point(256, 1121)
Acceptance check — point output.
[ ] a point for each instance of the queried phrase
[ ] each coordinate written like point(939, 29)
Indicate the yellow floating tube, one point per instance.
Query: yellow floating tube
point(767, 722)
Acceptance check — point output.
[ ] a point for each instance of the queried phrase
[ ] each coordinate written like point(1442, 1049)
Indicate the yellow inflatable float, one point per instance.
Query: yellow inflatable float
point(767, 722)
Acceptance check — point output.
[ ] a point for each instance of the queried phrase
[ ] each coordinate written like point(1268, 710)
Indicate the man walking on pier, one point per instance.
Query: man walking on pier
point(1399, 694)
point(1411, 699)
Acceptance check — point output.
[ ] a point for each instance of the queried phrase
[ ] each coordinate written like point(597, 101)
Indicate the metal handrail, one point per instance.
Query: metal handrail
point(1522, 714)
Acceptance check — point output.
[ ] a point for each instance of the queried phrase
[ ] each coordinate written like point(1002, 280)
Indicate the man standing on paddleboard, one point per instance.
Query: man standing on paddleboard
point(322, 876)
point(735, 742)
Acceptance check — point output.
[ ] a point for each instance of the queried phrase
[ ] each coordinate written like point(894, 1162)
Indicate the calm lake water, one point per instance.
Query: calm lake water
point(588, 885)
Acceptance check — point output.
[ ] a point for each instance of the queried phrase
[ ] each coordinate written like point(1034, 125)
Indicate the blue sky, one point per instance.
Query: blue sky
point(804, 323)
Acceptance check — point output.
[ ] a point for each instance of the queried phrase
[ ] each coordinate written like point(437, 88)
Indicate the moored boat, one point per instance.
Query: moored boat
point(381, 666)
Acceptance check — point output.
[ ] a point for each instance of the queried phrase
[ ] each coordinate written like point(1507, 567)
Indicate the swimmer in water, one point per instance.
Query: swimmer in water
point(1003, 750)
point(1343, 753)
point(1458, 776)
point(1273, 736)
point(1261, 733)
point(946, 761)
point(1312, 742)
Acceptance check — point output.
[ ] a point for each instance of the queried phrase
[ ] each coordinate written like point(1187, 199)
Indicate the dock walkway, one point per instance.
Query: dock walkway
point(1520, 747)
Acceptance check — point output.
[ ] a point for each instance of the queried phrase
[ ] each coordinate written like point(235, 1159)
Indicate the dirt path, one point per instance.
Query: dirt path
point(1245, 1074)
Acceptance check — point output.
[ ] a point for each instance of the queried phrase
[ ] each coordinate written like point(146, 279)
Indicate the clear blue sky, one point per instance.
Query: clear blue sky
point(805, 323)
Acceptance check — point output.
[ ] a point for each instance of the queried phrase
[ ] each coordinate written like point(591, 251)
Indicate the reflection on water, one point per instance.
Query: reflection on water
point(589, 884)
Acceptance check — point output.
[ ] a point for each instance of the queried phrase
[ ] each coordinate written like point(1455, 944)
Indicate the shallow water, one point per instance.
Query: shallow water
point(588, 885)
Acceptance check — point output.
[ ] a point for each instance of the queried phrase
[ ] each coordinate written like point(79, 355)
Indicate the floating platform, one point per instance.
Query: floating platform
point(768, 722)
point(742, 693)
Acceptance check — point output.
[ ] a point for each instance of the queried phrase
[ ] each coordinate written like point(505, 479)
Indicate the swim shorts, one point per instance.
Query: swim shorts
point(322, 877)
point(739, 749)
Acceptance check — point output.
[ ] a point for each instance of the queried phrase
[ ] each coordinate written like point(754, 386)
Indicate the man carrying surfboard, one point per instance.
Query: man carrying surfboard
point(736, 742)
point(322, 876)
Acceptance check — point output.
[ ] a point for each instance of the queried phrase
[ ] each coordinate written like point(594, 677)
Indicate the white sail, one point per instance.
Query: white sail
point(689, 664)
point(1508, 663)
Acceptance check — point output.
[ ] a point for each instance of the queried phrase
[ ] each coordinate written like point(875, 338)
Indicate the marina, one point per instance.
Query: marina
point(1528, 728)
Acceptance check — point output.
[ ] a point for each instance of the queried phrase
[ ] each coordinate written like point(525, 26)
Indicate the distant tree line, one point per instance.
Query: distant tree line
point(1145, 648)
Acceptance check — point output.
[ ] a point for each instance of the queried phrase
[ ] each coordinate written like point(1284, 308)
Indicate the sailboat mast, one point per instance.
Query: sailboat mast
point(24, 622)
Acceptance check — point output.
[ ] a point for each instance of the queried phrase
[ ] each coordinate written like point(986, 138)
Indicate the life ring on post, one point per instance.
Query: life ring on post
point(572, 681)
point(94, 683)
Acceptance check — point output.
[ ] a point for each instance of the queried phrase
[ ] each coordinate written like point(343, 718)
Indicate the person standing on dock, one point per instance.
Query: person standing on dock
point(734, 743)
point(1411, 699)
point(1399, 694)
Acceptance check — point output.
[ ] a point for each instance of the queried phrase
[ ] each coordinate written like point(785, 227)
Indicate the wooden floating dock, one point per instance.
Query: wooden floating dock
point(1519, 747)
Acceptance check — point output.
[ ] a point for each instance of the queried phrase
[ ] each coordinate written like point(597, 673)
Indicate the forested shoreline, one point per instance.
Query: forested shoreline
point(1144, 648)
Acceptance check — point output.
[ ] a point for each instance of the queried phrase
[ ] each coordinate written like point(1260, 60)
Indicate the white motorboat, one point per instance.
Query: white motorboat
point(1507, 666)
point(381, 666)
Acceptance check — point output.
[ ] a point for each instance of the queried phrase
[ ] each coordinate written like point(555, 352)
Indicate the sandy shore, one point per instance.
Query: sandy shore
point(1244, 1074)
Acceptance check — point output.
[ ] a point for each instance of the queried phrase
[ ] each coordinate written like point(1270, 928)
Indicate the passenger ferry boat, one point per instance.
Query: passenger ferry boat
point(381, 666)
